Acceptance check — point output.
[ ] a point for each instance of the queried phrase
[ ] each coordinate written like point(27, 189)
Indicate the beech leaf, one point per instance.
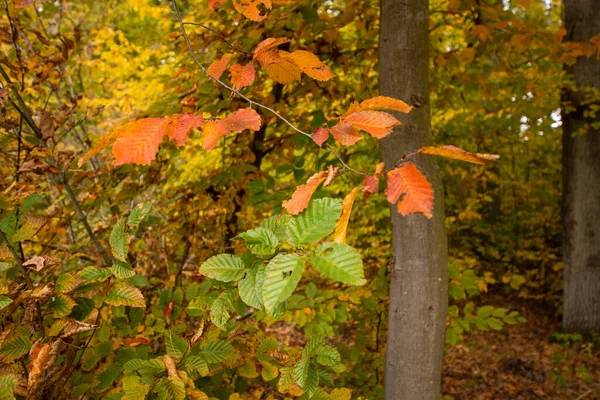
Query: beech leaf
point(407, 180)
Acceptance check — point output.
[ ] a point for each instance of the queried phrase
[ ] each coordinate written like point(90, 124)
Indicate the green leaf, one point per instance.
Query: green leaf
point(30, 202)
point(93, 274)
point(122, 270)
point(119, 241)
point(122, 294)
point(67, 282)
point(268, 344)
point(106, 377)
point(197, 364)
point(223, 267)
point(485, 311)
point(171, 388)
point(29, 228)
point(4, 301)
point(278, 225)
point(154, 367)
point(138, 214)
point(219, 312)
point(62, 305)
point(14, 349)
point(314, 223)
point(4, 266)
point(313, 346)
point(307, 375)
point(216, 352)
point(283, 273)
point(247, 290)
point(176, 346)
point(260, 241)
point(495, 324)
point(133, 388)
point(339, 262)
point(328, 356)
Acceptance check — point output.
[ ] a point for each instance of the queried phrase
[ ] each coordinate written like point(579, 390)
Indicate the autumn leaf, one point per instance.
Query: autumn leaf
point(39, 357)
point(265, 52)
point(214, 4)
point(378, 103)
point(250, 8)
point(137, 142)
point(331, 173)
point(310, 65)
point(345, 133)
point(284, 71)
point(320, 135)
point(371, 184)
point(303, 193)
point(23, 3)
point(242, 76)
point(459, 154)
point(378, 124)
point(407, 180)
point(217, 67)
point(245, 118)
point(341, 228)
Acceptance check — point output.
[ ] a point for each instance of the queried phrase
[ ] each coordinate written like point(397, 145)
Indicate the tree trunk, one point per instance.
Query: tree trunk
point(581, 177)
point(419, 277)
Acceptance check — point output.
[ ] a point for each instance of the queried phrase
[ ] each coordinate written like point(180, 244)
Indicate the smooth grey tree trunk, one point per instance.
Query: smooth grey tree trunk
point(419, 275)
point(581, 177)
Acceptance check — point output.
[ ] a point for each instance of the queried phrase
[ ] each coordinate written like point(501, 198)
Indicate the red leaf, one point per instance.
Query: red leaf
point(180, 127)
point(320, 136)
point(303, 193)
point(407, 180)
point(371, 184)
point(242, 76)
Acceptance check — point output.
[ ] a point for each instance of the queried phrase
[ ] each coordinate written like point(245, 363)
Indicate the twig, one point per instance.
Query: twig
point(236, 48)
point(242, 96)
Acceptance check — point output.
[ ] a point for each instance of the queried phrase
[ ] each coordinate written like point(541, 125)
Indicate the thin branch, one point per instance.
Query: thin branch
point(236, 48)
point(238, 93)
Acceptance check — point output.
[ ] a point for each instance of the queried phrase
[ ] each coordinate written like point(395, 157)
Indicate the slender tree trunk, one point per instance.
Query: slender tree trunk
point(419, 277)
point(581, 176)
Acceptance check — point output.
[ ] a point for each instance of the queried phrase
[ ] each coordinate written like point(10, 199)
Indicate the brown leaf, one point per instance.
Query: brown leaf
point(371, 184)
point(74, 327)
point(170, 365)
point(35, 262)
point(331, 173)
point(45, 123)
point(199, 333)
point(39, 357)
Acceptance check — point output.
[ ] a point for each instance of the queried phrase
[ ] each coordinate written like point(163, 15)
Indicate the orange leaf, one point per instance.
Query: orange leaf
point(284, 71)
point(378, 103)
point(341, 228)
point(245, 118)
point(345, 133)
point(137, 142)
point(168, 311)
point(377, 123)
point(310, 65)
point(371, 184)
point(250, 8)
point(214, 4)
point(38, 358)
point(320, 135)
point(265, 53)
point(303, 193)
point(242, 76)
point(23, 3)
point(459, 154)
point(407, 180)
point(331, 173)
point(179, 128)
point(217, 67)
point(133, 342)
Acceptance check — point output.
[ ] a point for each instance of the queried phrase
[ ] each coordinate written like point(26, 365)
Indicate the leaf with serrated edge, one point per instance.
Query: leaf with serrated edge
point(123, 294)
point(138, 214)
point(119, 241)
point(223, 267)
point(457, 153)
point(247, 289)
point(378, 103)
point(29, 228)
point(283, 273)
point(314, 223)
point(217, 67)
point(216, 352)
point(418, 193)
point(303, 193)
point(339, 262)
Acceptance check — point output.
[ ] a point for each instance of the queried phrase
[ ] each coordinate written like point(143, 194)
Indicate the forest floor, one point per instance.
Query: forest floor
point(524, 361)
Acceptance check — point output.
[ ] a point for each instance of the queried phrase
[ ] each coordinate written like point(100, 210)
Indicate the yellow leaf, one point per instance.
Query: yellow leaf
point(341, 228)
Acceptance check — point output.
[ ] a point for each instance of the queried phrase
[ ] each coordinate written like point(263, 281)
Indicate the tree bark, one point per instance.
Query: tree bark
point(419, 275)
point(581, 176)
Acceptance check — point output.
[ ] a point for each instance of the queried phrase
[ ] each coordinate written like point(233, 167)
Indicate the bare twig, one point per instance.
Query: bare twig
point(208, 28)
